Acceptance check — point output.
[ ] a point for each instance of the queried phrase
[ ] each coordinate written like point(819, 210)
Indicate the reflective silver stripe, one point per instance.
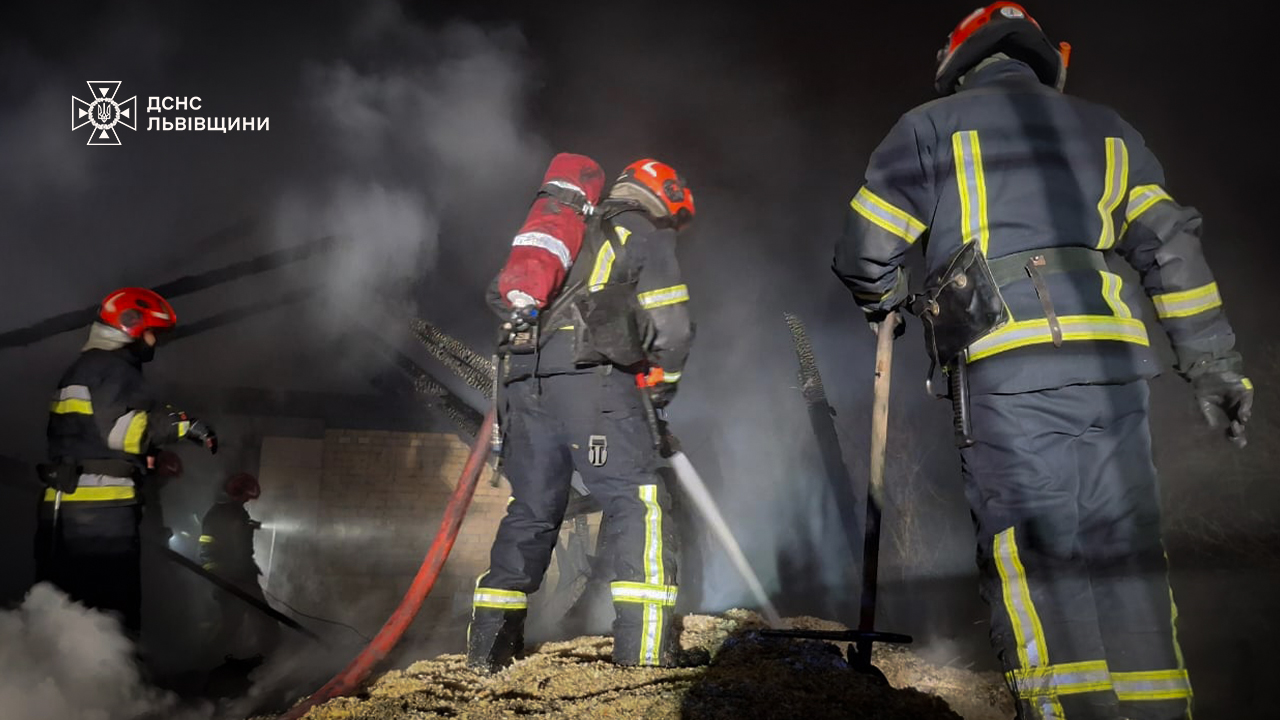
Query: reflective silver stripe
point(1112, 284)
point(1074, 327)
point(1027, 630)
point(95, 480)
point(120, 430)
point(643, 592)
point(663, 297)
point(73, 392)
point(1141, 198)
point(603, 268)
point(551, 244)
point(887, 217)
point(654, 573)
point(1153, 685)
point(1115, 184)
point(502, 599)
point(567, 186)
point(972, 183)
point(1064, 679)
point(1187, 302)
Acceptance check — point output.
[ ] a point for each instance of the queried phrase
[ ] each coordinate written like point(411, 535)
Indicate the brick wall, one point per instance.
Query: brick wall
point(352, 516)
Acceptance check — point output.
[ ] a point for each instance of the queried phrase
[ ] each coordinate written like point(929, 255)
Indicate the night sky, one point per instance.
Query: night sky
point(421, 131)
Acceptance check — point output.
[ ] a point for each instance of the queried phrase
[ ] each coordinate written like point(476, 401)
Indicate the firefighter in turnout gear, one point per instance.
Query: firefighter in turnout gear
point(570, 400)
point(1020, 195)
point(226, 549)
point(105, 428)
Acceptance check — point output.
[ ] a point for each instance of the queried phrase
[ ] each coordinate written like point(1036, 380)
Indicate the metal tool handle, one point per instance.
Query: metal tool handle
point(958, 384)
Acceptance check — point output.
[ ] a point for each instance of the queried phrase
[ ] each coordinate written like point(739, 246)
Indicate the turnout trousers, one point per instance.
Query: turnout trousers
point(1066, 505)
point(94, 555)
point(593, 423)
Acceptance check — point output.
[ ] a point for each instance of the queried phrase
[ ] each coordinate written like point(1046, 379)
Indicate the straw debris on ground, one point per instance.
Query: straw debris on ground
point(742, 675)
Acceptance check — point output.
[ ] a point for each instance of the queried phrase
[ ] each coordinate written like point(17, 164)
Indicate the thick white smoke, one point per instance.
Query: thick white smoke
point(62, 661)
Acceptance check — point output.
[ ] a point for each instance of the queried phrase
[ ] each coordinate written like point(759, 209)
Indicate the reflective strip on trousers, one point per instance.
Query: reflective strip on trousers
point(1074, 327)
point(603, 268)
point(126, 433)
point(644, 593)
point(1028, 633)
point(892, 220)
point(72, 400)
point(1115, 183)
point(972, 183)
point(1027, 630)
point(655, 581)
point(1186, 303)
point(1152, 685)
point(550, 243)
point(500, 599)
point(206, 539)
point(663, 297)
point(1064, 679)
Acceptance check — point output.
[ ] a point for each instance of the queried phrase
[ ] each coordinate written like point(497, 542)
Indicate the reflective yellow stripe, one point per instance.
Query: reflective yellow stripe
point(1141, 198)
point(670, 377)
point(972, 182)
point(210, 566)
point(644, 593)
point(71, 407)
point(1152, 685)
point(1114, 185)
point(1248, 384)
point(133, 436)
point(622, 233)
point(1111, 285)
point(1028, 633)
point(1074, 327)
point(654, 575)
point(500, 599)
point(72, 400)
point(1186, 303)
point(1064, 679)
point(90, 494)
point(603, 267)
point(663, 297)
point(206, 538)
point(887, 217)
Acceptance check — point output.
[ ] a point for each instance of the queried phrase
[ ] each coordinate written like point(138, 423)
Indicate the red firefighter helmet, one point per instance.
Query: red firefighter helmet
point(136, 310)
point(1000, 27)
point(664, 183)
point(242, 487)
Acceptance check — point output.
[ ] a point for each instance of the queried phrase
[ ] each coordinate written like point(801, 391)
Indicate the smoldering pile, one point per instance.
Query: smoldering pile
point(744, 676)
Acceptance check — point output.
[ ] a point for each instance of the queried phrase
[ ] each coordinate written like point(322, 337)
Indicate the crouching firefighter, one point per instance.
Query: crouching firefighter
point(1020, 195)
point(570, 398)
point(105, 427)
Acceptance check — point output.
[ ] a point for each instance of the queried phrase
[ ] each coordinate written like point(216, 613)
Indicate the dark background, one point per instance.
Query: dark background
point(418, 132)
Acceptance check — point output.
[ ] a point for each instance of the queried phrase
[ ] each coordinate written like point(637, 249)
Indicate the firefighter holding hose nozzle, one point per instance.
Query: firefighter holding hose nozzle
point(592, 297)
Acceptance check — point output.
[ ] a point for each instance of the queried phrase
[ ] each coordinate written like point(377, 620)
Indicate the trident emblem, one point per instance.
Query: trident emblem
point(104, 113)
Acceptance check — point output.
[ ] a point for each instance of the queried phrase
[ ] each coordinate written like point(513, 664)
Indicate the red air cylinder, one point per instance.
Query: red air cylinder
point(549, 241)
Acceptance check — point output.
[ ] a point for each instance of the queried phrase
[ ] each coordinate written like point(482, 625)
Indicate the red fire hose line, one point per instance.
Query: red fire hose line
point(377, 650)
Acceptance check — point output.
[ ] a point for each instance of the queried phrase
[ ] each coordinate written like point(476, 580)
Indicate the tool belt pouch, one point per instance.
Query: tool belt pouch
point(63, 476)
point(605, 327)
point(959, 305)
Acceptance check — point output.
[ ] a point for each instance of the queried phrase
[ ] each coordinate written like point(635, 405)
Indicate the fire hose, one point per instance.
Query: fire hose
point(355, 673)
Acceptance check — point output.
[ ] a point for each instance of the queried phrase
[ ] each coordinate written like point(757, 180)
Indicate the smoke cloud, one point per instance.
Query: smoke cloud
point(61, 661)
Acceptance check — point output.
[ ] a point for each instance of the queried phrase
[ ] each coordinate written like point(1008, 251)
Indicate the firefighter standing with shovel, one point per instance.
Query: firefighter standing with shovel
point(1021, 194)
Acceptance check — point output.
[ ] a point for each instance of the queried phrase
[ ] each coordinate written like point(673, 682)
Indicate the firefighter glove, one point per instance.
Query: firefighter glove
point(875, 318)
point(1222, 390)
point(201, 433)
